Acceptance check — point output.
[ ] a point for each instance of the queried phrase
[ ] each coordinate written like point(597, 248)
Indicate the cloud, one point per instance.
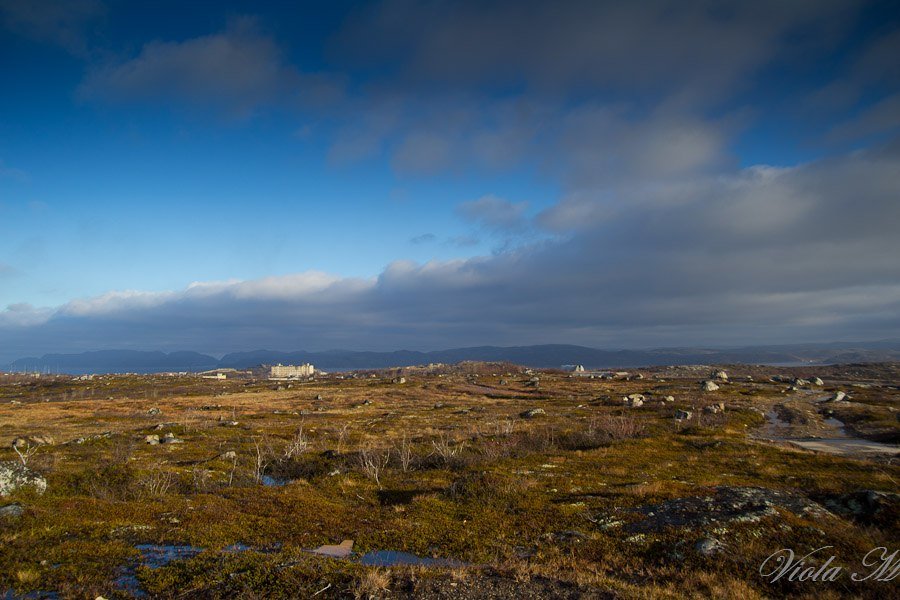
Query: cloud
point(425, 238)
point(237, 70)
point(495, 213)
point(588, 44)
point(762, 254)
point(61, 22)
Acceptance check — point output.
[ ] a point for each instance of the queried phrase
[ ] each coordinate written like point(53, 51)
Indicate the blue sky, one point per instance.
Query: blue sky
point(426, 174)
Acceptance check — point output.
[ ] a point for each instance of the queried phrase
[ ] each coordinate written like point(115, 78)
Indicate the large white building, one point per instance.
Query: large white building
point(280, 371)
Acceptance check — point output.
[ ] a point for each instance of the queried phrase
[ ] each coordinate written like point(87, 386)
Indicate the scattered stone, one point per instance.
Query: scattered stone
point(720, 375)
point(532, 413)
point(14, 476)
point(709, 546)
point(153, 411)
point(817, 381)
point(683, 415)
point(151, 439)
point(800, 382)
point(838, 397)
point(714, 409)
point(230, 455)
point(229, 424)
point(503, 382)
point(439, 405)
point(319, 397)
point(669, 399)
point(367, 402)
point(709, 386)
point(398, 380)
point(170, 438)
point(11, 511)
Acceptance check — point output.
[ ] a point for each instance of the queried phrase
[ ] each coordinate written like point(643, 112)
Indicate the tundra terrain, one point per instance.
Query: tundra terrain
point(472, 481)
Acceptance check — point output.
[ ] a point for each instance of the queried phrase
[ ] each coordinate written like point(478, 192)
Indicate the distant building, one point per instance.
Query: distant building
point(280, 371)
point(574, 368)
point(215, 376)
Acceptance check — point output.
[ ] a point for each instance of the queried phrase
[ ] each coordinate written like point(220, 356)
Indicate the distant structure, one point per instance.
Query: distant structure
point(280, 371)
point(574, 368)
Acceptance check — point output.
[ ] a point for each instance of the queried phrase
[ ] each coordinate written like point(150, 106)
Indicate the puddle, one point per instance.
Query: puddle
point(153, 556)
point(39, 595)
point(383, 558)
point(393, 558)
point(839, 441)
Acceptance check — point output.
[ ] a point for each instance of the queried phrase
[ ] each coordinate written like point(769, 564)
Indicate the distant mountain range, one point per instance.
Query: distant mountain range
point(546, 356)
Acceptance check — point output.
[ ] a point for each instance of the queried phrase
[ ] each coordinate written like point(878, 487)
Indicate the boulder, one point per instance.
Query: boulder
point(153, 411)
point(817, 381)
point(838, 396)
point(720, 375)
point(683, 415)
point(14, 476)
point(11, 511)
point(532, 413)
point(714, 409)
point(633, 400)
point(670, 399)
point(151, 439)
point(170, 438)
point(709, 386)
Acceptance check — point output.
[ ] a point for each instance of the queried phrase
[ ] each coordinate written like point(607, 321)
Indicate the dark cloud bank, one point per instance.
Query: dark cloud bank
point(659, 237)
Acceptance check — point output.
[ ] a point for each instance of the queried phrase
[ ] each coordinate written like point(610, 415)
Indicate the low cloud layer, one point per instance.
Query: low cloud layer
point(764, 255)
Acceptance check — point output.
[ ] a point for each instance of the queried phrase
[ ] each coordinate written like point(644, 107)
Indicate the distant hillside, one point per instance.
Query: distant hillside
point(116, 361)
point(544, 356)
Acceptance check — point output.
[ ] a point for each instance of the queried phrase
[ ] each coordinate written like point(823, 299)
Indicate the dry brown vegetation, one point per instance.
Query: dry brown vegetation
point(444, 465)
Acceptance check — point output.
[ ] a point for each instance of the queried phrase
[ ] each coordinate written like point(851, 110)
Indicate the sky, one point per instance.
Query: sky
point(225, 176)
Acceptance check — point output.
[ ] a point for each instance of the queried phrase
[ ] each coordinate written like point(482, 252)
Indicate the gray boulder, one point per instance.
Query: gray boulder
point(11, 511)
point(709, 386)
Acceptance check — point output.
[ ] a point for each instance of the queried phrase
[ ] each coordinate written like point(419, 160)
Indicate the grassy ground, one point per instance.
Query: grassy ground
point(442, 466)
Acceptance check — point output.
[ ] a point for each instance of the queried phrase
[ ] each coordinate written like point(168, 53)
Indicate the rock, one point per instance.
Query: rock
point(367, 402)
point(319, 397)
point(800, 382)
point(720, 375)
point(669, 399)
point(11, 511)
point(838, 397)
point(399, 380)
point(230, 455)
point(229, 424)
point(532, 413)
point(817, 381)
point(633, 400)
point(14, 476)
point(170, 438)
point(726, 504)
point(153, 411)
point(714, 409)
point(151, 439)
point(869, 507)
point(709, 547)
point(709, 386)
point(683, 415)
point(503, 382)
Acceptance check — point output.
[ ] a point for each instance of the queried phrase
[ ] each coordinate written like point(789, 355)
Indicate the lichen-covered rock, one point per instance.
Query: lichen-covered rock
point(709, 546)
point(683, 415)
point(14, 476)
point(11, 511)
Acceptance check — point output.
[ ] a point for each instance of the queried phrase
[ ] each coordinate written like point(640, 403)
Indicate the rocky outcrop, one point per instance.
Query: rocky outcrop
point(723, 506)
